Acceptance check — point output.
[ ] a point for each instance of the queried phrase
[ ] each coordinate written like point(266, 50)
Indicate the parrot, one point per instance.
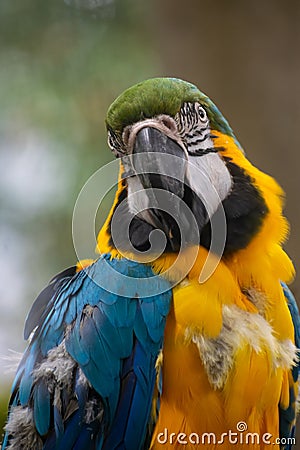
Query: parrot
point(183, 330)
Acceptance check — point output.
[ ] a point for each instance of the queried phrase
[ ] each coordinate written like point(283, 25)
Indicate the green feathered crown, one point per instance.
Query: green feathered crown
point(160, 96)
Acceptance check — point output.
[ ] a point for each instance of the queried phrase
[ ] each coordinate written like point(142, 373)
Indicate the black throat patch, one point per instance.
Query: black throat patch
point(245, 209)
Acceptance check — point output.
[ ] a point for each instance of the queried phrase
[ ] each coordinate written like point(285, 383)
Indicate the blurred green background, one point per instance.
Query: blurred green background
point(64, 61)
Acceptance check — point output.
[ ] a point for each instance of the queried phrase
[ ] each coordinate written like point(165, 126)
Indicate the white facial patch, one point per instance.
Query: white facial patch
point(207, 174)
point(209, 178)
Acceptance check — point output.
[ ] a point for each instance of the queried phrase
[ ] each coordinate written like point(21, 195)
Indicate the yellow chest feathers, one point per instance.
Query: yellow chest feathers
point(226, 359)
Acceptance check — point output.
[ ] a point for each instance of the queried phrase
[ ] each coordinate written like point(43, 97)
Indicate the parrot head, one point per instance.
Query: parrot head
point(180, 163)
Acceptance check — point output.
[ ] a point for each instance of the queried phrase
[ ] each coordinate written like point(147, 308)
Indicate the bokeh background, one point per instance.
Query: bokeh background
point(62, 62)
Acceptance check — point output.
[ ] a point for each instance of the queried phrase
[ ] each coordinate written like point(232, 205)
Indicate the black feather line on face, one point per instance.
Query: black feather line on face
point(245, 210)
point(202, 152)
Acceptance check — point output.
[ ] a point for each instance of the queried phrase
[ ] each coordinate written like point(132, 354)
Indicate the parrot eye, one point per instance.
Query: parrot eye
point(202, 114)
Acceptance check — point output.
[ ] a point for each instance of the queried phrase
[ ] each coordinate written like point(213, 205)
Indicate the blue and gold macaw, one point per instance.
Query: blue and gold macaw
point(163, 358)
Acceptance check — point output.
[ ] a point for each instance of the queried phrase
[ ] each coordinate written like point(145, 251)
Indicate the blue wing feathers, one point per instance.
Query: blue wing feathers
point(145, 373)
point(102, 371)
point(67, 441)
point(117, 340)
point(85, 439)
point(75, 347)
point(41, 407)
point(121, 314)
point(287, 416)
point(26, 377)
point(41, 304)
point(138, 377)
point(293, 307)
point(58, 423)
point(153, 319)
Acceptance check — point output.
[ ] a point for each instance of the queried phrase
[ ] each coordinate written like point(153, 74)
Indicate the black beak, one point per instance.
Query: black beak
point(159, 161)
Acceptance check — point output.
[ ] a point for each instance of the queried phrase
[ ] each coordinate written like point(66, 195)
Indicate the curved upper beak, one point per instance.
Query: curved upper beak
point(159, 161)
